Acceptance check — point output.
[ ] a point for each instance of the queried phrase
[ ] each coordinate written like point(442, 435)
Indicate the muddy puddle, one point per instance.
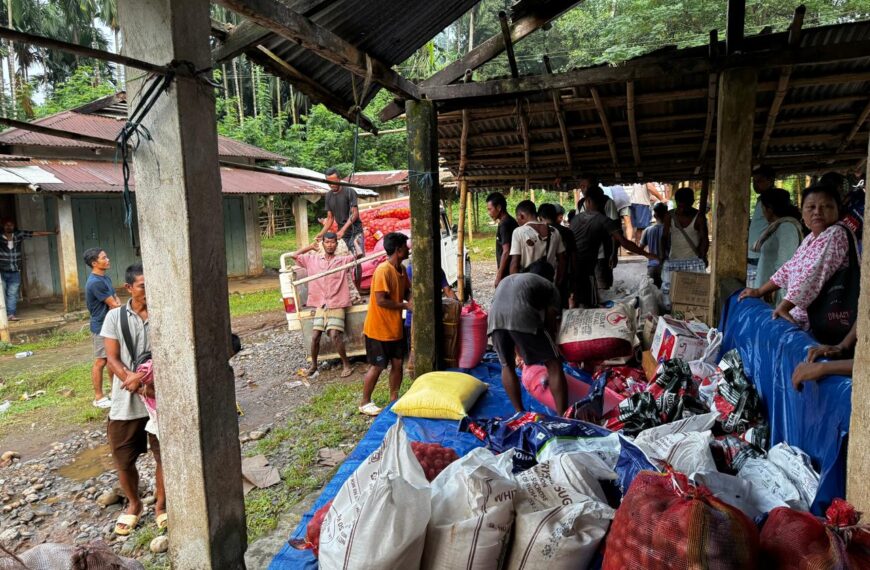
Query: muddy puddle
point(88, 464)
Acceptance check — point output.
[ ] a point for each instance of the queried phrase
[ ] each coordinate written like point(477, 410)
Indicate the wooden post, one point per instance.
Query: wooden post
point(734, 26)
point(858, 464)
point(184, 255)
point(469, 222)
point(300, 214)
point(66, 249)
point(460, 246)
point(736, 117)
point(4, 318)
point(426, 336)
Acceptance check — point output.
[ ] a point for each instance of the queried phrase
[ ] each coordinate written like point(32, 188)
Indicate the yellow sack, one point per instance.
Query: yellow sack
point(440, 396)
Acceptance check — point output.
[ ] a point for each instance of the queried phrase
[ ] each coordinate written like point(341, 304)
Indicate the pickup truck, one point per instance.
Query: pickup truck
point(299, 317)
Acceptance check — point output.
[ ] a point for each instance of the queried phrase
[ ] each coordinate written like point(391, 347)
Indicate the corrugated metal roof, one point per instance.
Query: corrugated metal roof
point(380, 178)
point(108, 127)
point(104, 176)
point(386, 29)
point(820, 109)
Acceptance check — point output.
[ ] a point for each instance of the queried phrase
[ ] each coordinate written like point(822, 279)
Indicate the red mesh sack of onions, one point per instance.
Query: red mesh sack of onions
point(312, 532)
point(433, 457)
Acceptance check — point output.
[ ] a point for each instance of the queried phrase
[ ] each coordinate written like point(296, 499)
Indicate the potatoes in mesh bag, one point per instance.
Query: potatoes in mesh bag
point(472, 514)
point(561, 516)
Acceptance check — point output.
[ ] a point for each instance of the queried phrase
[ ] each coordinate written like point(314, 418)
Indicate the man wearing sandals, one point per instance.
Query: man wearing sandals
point(383, 330)
point(329, 296)
point(128, 415)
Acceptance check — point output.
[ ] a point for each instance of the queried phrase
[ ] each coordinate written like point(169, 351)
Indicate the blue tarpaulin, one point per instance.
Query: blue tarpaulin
point(493, 403)
point(815, 419)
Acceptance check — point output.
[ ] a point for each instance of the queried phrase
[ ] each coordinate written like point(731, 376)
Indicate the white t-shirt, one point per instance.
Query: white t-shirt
point(639, 194)
point(528, 244)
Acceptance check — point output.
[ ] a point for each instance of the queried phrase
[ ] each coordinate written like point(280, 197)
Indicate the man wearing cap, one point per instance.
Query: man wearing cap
point(763, 178)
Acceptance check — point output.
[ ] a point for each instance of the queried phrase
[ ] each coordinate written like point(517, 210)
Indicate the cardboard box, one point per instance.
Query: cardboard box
point(692, 313)
point(650, 365)
point(675, 339)
point(690, 289)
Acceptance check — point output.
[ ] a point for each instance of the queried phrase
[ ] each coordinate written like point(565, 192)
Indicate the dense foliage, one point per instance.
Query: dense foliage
point(259, 108)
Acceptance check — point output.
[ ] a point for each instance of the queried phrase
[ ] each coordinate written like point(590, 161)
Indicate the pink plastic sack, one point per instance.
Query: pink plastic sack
point(472, 335)
point(534, 379)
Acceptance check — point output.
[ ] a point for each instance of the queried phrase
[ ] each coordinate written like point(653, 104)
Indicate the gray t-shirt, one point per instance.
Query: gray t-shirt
point(340, 204)
point(520, 301)
point(756, 227)
point(126, 405)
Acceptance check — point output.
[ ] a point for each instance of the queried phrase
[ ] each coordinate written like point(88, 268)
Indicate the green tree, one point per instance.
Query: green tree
point(78, 90)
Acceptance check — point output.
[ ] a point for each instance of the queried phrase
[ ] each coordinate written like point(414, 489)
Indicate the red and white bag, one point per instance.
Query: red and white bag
point(596, 335)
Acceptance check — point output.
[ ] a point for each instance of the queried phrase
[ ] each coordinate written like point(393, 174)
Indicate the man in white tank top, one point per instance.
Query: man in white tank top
point(687, 234)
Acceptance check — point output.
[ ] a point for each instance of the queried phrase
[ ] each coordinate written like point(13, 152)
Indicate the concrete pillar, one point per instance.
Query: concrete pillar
point(182, 233)
point(300, 215)
point(66, 255)
point(858, 462)
point(252, 235)
point(426, 336)
point(736, 115)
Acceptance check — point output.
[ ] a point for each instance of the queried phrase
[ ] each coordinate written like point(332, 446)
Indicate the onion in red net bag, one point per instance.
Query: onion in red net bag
point(312, 532)
point(796, 539)
point(664, 523)
point(433, 458)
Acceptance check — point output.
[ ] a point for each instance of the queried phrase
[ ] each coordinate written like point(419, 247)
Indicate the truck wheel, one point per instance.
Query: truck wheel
point(469, 294)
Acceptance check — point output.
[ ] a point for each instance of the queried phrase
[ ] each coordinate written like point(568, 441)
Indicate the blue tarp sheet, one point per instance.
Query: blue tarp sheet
point(493, 403)
point(815, 419)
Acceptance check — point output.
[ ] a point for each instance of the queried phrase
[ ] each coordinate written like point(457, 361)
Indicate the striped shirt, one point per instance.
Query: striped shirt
point(10, 250)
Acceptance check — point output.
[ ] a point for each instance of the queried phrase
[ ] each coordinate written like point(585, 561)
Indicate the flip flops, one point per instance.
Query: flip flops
point(129, 521)
point(346, 373)
point(370, 409)
point(162, 521)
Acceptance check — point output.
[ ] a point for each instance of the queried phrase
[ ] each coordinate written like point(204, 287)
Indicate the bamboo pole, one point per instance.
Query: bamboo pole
point(460, 258)
point(470, 219)
point(344, 267)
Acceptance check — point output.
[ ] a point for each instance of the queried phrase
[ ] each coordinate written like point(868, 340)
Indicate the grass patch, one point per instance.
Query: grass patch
point(329, 420)
point(281, 243)
point(52, 408)
point(54, 340)
point(252, 303)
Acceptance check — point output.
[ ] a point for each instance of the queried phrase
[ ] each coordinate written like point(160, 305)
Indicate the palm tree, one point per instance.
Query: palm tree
point(108, 14)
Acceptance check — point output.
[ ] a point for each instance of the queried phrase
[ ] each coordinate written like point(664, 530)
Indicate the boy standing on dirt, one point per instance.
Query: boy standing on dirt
point(383, 330)
point(329, 296)
point(100, 297)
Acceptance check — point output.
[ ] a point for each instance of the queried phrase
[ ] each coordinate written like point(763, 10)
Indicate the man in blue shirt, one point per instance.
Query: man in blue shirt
point(100, 296)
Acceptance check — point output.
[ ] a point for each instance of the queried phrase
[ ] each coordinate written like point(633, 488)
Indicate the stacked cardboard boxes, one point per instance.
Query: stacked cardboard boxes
point(690, 295)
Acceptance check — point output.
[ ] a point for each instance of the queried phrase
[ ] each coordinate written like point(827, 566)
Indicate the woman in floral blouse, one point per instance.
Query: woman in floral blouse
point(822, 253)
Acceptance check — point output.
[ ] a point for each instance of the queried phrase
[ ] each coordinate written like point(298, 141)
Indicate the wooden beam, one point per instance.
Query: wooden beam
point(463, 145)
point(632, 127)
point(605, 124)
point(219, 30)
point(712, 83)
point(858, 465)
point(242, 37)
point(280, 19)
point(797, 22)
point(271, 61)
point(736, 20)
point(79, 50)
point(778, 97)
point(523, 121)
point(560, 118)
point(658, 66)
point(862, 117)
point(737, 92)
point(425, 223)
point(508, 43)
point(544, 12)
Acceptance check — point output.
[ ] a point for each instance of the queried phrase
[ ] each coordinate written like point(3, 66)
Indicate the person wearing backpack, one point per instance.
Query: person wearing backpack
point(126, 333)
point(534, 242)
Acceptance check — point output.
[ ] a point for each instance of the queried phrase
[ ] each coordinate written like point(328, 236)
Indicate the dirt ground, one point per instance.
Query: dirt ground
point(63, 487)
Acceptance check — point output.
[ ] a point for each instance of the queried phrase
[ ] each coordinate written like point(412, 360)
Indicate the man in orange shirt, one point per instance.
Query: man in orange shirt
point(383, 330)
